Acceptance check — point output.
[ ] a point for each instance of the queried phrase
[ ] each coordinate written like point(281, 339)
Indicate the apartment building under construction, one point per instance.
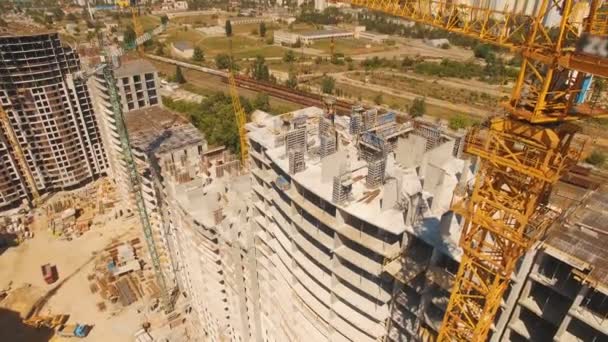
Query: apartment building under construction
point(342, 231)
point(52, 116)
point(355, 239)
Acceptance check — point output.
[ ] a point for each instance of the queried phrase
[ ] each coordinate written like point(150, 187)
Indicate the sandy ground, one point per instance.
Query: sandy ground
point(21, 265)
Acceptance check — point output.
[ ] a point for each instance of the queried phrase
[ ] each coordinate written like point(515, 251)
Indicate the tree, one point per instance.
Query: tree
point(484, 51)
point(596, 158)
point(164, 19)
point(418, 107)
point(457, 122)
point(228, 28)
point(198, 55)
point(378, 99)
point(58, 14)
point(262, 29)
point(222, 61)
point(337, 59)
point(261, 102)
point(128, 36)
point(160, 49)
point(259, 69)
point(179, 77)
point(289, 56)
point(328, 84)
point(292, 79)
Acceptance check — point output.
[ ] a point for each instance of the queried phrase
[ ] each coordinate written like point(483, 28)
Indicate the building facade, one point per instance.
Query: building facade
point(52, 116)
point(356, 245)
point(139, 88)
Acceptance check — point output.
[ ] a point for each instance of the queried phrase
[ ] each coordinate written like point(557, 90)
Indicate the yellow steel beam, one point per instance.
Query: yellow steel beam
point(240, 119)
point(19, 156)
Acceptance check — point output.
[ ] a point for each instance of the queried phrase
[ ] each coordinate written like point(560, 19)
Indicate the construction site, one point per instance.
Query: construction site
point(121, 220)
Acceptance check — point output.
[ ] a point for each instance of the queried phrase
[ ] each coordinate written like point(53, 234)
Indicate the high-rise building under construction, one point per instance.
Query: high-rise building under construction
point(51, 115)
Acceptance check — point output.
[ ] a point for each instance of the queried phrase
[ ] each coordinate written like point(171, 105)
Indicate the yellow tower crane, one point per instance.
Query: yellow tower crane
point(241, 119)
point(19, 156)
point(239, 113)
point(523, 153)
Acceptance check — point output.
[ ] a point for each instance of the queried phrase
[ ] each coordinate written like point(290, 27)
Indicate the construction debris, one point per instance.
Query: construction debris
point(119, 277)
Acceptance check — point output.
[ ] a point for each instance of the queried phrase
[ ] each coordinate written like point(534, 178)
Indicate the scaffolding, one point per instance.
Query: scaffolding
point(296, 161)
point(328, 145)
point(376, 170)
point(342, 186)
point(295, 140)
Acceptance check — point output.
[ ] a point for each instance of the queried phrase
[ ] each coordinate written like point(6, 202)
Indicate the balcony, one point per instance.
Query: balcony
point(313, 251)
point(441, 277)
point(362, 283)
point(379, 311)
point(591, 318)
point(321, 275)
point(371, 242)
point(404, 269)
point(405, 321)
point(360, 260)
point(357, 319)
point(314, 232)
point(350, 331)
point(325, 218)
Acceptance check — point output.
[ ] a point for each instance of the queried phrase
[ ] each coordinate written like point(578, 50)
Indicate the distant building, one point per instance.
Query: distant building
point(234, 21)
point(320, 5)
point(172, 5)
point(437, 43)
point(284, 37)
point(182, 49)
point(374, 37)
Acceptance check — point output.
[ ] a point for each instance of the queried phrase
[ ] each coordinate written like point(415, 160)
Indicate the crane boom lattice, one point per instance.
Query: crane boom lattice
point(521, 154)
point(241, 119)
point(19, 156)
point(136, 186)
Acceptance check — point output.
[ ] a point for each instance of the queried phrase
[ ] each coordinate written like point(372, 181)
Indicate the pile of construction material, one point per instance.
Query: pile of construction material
point(67, 223)
point(120, 279)
point(72, 214)
point(14, 229)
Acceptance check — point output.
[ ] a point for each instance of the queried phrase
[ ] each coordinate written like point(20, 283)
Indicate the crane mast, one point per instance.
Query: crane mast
point(19, 156)
point(522, 154)
point(107, 71)
point(240, 118)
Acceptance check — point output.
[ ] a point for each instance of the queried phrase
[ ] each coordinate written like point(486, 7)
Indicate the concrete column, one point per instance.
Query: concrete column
point(575, 304)
point(517, 291)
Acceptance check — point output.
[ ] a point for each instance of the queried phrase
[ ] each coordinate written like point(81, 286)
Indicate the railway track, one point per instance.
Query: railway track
point(292, 95)
point(274, 90)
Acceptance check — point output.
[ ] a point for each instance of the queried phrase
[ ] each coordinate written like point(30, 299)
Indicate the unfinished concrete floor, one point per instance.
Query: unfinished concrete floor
point(20, 266)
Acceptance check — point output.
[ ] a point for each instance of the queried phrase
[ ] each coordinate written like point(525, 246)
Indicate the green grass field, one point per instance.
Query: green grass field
point(350, 46)
point(196, 20)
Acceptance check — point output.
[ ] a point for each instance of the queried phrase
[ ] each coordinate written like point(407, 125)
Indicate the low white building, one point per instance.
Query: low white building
point(374, 37)
point(182, 49)
point(172, 5)
point(284, 37)
point(438, 43)
point(245, 20)
point(307, 38)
